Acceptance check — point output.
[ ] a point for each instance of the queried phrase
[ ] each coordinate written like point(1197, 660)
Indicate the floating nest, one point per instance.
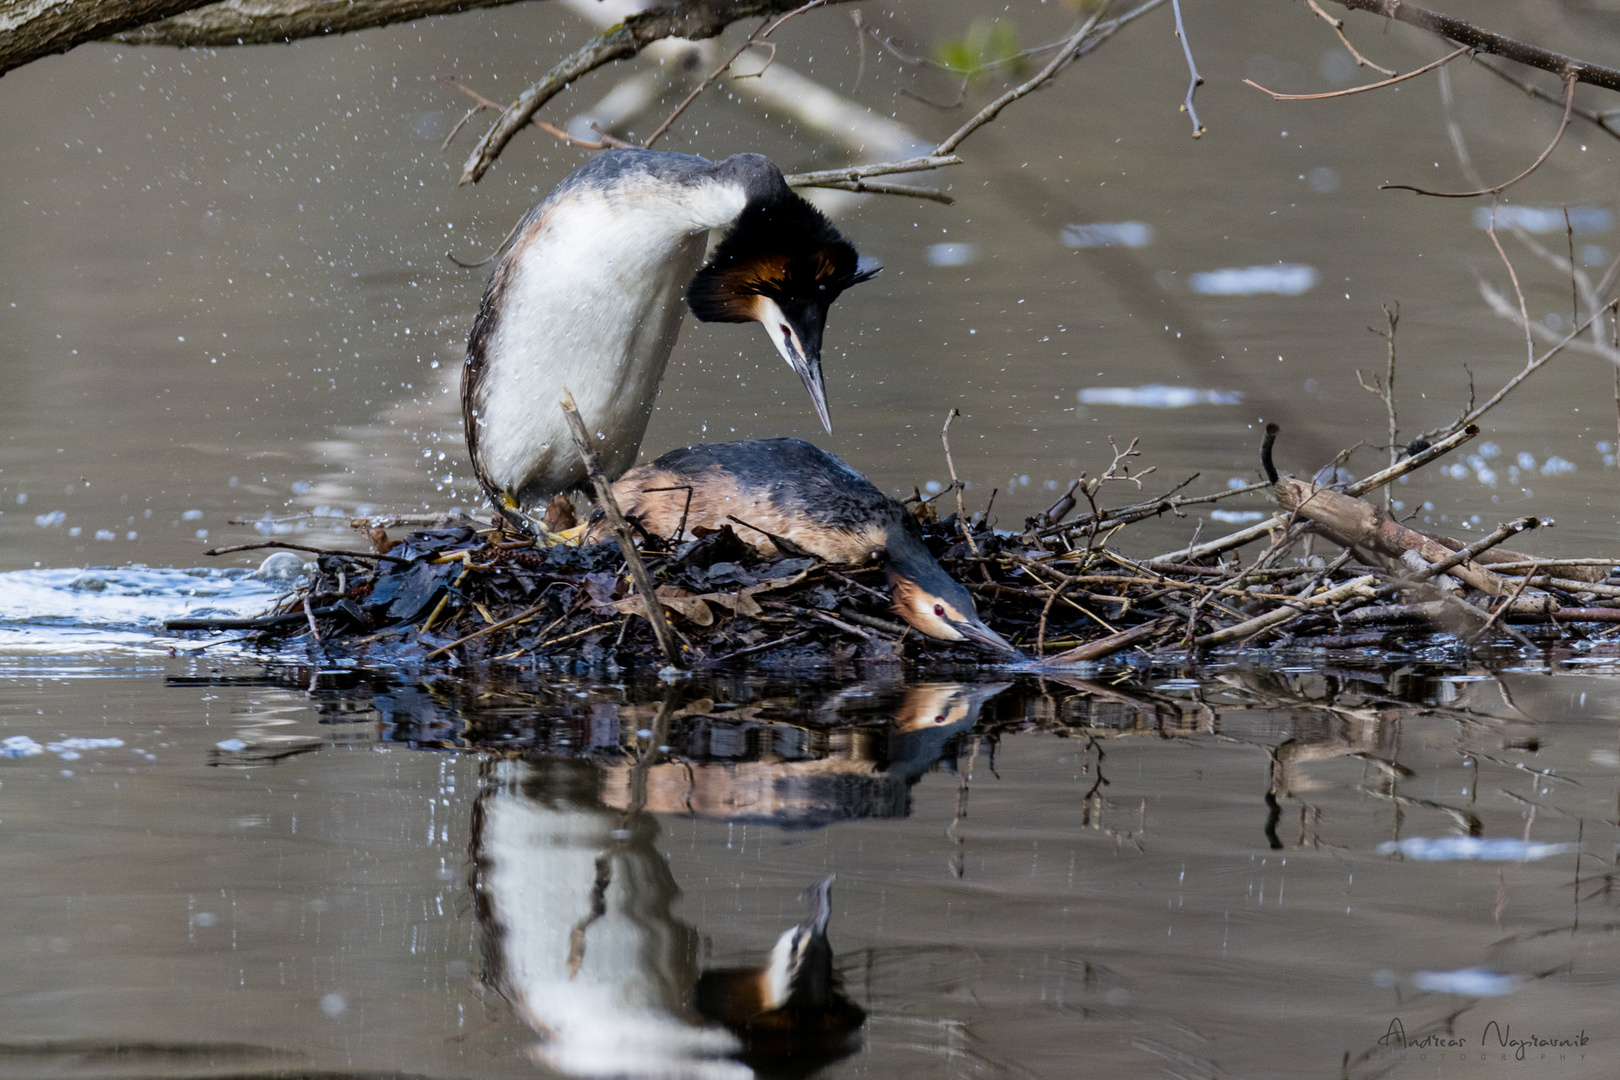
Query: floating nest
point(464, 592)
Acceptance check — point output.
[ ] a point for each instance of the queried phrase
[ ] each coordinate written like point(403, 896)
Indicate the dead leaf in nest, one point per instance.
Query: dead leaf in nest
point(694, 607)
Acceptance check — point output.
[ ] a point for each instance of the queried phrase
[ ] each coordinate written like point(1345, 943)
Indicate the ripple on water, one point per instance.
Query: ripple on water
point(73, 610)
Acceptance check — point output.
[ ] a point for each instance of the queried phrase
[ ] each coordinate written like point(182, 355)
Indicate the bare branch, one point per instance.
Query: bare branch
point(1536, 364)
point(708, 80)
point(693, 21)
point(1197, 79)
point(851, 177)
point(1446, 59)
point(1486, 41)
point(931, 194)
point(1524, 312)
point(1600, 119)
point(1569, 101)
point(258, 22)
point(1080, 43)
point(489, 103)
point(1338, 28)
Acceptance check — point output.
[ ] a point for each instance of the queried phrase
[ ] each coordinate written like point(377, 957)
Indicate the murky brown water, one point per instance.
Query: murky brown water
point(1034, 876)
point(225, 297)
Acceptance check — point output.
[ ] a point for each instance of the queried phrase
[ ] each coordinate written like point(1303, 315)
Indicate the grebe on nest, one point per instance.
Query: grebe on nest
point(589, 296)
point(789, 489)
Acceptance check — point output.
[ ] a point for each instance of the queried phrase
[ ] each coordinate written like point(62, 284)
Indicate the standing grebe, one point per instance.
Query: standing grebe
point(588, 296)
point(790, 489)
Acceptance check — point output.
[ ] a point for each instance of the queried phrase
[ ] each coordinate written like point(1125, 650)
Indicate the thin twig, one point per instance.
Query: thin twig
point(1536, 364)
point(1069, 50)
point(1467, 554)
point(956, 485)
point(1524, 312)
point(620, 41)
point(1446, 59)
point(850, 173)
point(1600, 120)
point(1503, 609)
point(1385, 389)
point(621, 532)
point(1197, 80)
point(1475, 37)
point(305, 547)
point(489, 103)
point(1338, 28)
point(708, 80)
point(1569, 101)
point(931, 194)
point(527, 613)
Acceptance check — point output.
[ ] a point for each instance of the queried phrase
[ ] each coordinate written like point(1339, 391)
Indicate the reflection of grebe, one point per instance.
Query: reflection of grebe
point(788, 489)
point(580, 936)
point(589, 297)
point(738, 766)
point(793, 1005)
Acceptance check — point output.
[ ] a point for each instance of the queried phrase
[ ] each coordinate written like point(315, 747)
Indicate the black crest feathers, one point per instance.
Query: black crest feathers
point(781, 247)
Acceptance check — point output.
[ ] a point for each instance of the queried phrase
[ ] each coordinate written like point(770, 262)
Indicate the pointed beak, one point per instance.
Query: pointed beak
point(980, 634)
point(800, 345)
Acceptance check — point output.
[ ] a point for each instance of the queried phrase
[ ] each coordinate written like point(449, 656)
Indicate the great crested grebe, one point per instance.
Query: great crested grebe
point(790, 489)
point(589, 296)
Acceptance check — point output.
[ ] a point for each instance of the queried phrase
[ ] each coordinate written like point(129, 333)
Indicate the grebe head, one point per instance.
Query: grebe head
point(781, 265)
point(934, 602)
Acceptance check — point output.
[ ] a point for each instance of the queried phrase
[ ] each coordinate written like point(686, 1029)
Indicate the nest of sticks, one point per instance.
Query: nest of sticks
point(466, 592)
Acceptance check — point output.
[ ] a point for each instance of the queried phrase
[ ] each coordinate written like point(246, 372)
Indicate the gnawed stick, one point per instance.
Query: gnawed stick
point(621, 532)
point(1413, 461)
point(1360, 487)
point(1355, 522)
point(1501, 533)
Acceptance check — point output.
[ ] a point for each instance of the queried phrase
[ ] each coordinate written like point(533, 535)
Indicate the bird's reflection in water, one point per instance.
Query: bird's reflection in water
point(792, 1009)
point(576, 903)
point(860, 772)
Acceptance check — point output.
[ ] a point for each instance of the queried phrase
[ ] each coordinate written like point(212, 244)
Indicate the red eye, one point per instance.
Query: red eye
point(939, 609)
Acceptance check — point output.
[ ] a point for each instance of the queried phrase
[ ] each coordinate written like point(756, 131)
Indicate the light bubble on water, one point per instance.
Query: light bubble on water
point(1281, 279)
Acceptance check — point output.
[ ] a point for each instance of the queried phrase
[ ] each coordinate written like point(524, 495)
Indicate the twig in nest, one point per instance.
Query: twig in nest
point(1503, 609)
point(1338, 28)
point(1197, 80)
point(305, 547)
point(1563, 124)
point(956, 485)
point(1467, 554)
point(1384, 389)
point(621, 532)
point(1446, 59)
